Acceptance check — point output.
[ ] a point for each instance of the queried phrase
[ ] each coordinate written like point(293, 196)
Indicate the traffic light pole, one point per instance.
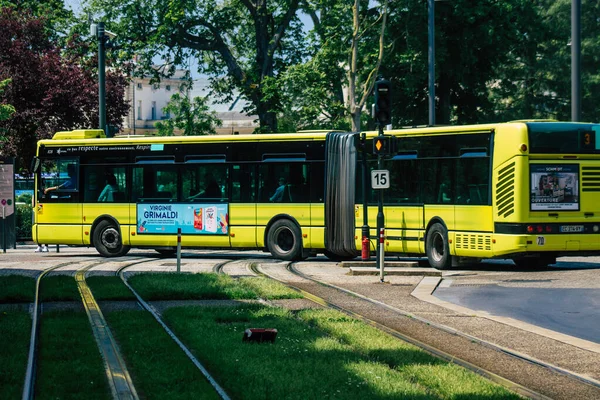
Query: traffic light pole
point(380, 217)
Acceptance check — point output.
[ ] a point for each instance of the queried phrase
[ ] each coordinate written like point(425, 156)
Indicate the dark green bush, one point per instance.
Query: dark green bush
point(23, 224)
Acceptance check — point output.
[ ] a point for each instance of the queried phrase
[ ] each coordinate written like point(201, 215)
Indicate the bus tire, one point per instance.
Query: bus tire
point(437, 247)
point(285, 240)
point(108, 241)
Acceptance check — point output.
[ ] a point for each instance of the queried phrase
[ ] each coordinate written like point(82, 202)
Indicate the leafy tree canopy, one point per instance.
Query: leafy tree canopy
point(52, 90)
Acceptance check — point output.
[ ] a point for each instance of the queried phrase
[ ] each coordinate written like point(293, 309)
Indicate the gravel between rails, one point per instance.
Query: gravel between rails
point(540, 379)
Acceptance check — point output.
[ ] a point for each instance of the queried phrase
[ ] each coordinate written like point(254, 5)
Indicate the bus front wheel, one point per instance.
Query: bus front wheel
point(437, 248)
point(107, 240)
point(285, 240)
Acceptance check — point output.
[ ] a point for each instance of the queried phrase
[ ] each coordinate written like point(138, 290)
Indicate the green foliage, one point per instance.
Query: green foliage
point(17, 289)
point(24, 215)
point(190, 118)
point(6, 110)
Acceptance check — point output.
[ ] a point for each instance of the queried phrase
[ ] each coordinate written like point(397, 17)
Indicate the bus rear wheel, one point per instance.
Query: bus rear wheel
point(107, 240)
point(285, 240)
point(437, 248)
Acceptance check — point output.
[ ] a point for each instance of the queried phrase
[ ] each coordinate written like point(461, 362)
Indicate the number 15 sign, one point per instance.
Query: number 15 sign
point(380, 179)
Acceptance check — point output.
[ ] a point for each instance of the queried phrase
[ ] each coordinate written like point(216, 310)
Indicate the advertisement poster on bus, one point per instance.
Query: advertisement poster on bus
point(554, 187)
point(200, 219)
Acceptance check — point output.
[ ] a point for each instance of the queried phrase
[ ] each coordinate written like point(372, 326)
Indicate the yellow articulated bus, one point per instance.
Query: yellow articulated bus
point(526, 190)
point(529, 191)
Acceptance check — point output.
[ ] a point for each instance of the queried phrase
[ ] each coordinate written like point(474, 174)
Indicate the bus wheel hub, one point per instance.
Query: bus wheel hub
point(110, 238)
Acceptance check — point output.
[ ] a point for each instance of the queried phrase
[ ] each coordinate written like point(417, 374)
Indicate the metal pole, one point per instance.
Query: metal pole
point(382, 251)
point(576, 60)
point(380, 216)
point(431, 61)
point(101, 77)
point(178, 249)
point(4, 228)
point(366, 240)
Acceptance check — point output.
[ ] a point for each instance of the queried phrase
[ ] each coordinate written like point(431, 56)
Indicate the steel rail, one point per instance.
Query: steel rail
point(148, 307)
point(485, 343)
point(515, 387)
point(118, 376)
point(29, 383)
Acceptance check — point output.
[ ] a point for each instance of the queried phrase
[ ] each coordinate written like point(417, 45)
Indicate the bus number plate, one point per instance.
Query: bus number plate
point(571, 228)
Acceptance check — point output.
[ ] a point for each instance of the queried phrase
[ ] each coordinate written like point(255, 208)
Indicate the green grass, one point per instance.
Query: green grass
point(59, 288)
point(15, 330)
point(158, 367)
point(70, 365)
point(17, 289)
point(269, 289)
point(318, 354)
point(189, 287)
point(109, 288)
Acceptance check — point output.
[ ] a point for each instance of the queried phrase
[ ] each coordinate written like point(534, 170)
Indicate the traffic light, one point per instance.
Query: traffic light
point(383, 102)
point(384, 145)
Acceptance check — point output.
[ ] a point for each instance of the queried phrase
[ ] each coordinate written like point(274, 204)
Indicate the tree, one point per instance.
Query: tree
point(6, 110)
point(52, 90)
point(192, 118)
point(240, 44)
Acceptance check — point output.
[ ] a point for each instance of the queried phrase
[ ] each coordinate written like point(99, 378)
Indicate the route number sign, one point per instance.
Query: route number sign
point(380, 179)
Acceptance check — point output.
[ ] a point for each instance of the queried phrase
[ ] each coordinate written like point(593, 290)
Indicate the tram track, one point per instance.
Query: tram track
point(518, 372)
point(157, 316)
point(114, 365)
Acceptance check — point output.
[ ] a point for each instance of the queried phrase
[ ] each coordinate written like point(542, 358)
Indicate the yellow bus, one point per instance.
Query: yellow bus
point(526, 190)
point(243, 191)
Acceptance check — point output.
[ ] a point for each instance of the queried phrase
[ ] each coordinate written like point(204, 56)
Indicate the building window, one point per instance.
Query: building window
point(153, 110)
point(168, 88)
point(155, 86)
point(139, 110)
point(139, 85)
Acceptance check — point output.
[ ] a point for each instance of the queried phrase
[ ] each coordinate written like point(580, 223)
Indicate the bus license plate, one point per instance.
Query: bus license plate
point(571, 228)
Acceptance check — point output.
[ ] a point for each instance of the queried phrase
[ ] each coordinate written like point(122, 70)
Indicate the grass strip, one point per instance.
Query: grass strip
point(442, 379)
point(269, 289)
point(59, 288)
point(158, 367)
point(70, 365)
point(109, 288)
point(200, 286)
point(17, 289)
point(15, 329)
point(318, 354)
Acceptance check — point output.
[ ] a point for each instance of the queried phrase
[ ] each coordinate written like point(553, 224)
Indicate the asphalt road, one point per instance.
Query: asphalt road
point(565, 298)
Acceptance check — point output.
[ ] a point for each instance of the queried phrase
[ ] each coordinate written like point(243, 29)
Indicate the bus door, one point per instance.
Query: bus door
point(58, 210)
point(104, 193)
point(403, 211)
point(283, 190)
point(242, 205)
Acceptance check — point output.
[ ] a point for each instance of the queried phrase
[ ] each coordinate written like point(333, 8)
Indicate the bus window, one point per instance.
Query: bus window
point(154, 183)
point(205, 182)
point(243, 183)
point(104, 184)
point(438, 182)
point(404, 184)
point(472, 175)
point(59, 180)
point(284, 183)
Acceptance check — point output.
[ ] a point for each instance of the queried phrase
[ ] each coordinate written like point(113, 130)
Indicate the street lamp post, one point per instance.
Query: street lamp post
point(101, 76)
point(576, 60)
point(431, 61)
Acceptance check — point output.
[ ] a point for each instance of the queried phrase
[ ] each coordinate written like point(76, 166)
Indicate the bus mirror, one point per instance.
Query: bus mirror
point(35, 165)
